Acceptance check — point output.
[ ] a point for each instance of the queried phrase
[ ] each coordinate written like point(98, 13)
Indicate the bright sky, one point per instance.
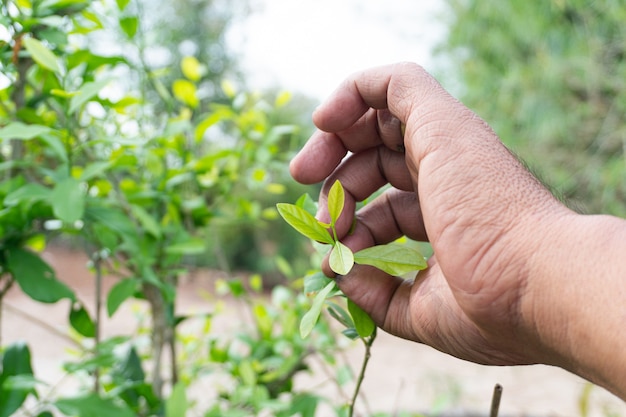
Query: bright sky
point(312, 45)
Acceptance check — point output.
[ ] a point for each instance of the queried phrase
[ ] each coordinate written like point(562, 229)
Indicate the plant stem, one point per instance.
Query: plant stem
point(366, 357)
point(495, 400)
point(97, 262)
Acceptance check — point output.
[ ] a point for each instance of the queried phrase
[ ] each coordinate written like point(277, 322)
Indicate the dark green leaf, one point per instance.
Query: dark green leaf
point(15, 362)
point(304, 222)
point(393, 258)
point(363, 323)
point(81, 321)
point(119, 293)
point(35, 277)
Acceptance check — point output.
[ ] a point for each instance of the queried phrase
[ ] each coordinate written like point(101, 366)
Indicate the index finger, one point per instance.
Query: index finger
point(346, 123)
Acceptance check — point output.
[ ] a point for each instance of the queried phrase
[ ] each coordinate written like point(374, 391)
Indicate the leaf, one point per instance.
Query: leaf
point(129, 25)
point(91, 405)
point(121, 4)
point(315, 281)
point(304, 222)
point(176, 405)
point(341, 259)
point(21, 131)
point(68, 200)
point(149, 223)
point(191, 68)
point(306, 202)
point(119, 293)
point(35, 277)
point(28, 193)
point(15, 362)
point(190, 247)
point(363, 323)
point(393, 258)
point(336, 200)
point(87, 92)
point(94, 170)
point(185, 92)
point(340, 314)
point(81, 321)
point(310, 317)
point(42, 55)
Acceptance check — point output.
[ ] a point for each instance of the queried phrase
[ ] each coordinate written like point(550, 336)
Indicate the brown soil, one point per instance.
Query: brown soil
point(402, 375)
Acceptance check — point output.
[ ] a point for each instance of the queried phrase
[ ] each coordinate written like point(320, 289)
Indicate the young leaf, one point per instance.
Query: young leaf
point(341, 259)
point(304, 222)
point(363, 323)
point(310, 317)
point(392, 258)
point(336, 199)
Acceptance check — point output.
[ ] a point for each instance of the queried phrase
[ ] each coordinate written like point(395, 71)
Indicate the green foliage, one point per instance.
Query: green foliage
point(548, 76)
point(16, 370)
point(140, 166)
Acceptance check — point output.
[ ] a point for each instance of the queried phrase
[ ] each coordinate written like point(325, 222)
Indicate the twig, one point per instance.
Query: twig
point(495, 400)
point(41, 323)
point(368, 354)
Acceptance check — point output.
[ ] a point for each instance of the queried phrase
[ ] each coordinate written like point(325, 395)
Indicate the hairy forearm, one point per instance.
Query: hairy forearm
point(579, 304)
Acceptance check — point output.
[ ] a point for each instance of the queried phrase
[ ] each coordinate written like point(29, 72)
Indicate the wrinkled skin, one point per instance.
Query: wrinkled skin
point(499, 287)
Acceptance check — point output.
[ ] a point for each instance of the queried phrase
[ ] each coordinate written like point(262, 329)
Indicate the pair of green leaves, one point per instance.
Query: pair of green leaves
point(392, 258)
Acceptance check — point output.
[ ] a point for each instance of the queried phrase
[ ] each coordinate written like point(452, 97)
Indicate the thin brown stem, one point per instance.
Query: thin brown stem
point(495, 401)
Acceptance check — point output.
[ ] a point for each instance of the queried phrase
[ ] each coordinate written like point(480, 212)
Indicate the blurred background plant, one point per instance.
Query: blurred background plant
point(549, 77)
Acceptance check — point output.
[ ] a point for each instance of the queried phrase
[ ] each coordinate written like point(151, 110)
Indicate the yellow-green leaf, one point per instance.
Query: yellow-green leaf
point(191, 68)
point(304, 222)
point(336, 199)
point(393, 258)
point(341, 259)
point(310, 317)
point(185, 92)
point(42, 55)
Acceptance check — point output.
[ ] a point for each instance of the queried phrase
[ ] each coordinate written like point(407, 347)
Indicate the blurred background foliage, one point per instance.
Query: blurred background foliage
point(550, 77)
point(127, 130)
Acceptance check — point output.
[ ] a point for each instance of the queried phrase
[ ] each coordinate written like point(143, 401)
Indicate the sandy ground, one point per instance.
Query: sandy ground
point(401, 376)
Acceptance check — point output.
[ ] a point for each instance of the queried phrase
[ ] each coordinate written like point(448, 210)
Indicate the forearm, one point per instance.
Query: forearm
point(578, 278)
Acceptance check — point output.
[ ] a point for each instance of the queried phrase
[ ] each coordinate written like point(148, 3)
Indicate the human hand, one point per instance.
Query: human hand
point(455, 185)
